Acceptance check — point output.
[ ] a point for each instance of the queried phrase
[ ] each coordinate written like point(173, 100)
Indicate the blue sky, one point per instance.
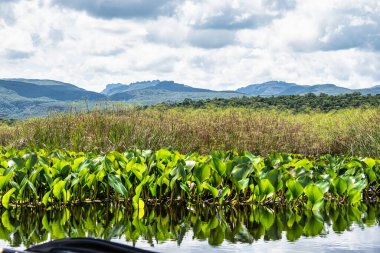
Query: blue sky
point(218, 44)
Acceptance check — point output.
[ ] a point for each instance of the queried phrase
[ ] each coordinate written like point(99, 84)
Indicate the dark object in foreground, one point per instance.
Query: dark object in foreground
point(80, 245)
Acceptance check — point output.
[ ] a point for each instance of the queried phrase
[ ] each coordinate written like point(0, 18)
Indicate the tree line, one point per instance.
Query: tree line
point(298, 103)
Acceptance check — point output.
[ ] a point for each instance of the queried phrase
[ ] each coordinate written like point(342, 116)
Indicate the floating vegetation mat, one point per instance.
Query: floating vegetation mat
point(139, 178)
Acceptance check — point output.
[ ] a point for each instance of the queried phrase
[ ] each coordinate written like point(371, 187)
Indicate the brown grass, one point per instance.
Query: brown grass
point(354, 131)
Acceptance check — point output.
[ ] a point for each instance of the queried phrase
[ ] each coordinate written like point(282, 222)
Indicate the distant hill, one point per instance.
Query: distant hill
point(152, 92)
point(120, 88)
point(278, 88)
point(373, 90)
point(151, 85)
point(22, 98)
point(41, 82)
point(49, 89)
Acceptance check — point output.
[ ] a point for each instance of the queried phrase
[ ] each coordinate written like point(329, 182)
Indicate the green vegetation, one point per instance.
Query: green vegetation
point(349, 132)
point(291, 172)
point(296, 103)
point(140, 177)
point(239, 224)
point(7, 122)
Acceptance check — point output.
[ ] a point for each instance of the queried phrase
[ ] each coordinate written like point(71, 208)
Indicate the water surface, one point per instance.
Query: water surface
point(336, 228)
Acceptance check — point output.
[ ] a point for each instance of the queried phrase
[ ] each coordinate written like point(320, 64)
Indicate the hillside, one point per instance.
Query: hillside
point(153, 92)
point(60, 91)
point(23, 98)
point(373, 90)
point(151, 85)
point(112, 89)
point(278, 88)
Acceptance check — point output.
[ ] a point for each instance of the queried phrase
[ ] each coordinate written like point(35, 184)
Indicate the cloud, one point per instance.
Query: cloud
point(110, 52)
point(110, 9)
point(233, 15)
point(331, 26)
point(280, 5)
point(17, 55)
point(352, 30)
point(219, 44)
point(7, 12)
point(56, 35)
point(211, 38)
point(36, 39)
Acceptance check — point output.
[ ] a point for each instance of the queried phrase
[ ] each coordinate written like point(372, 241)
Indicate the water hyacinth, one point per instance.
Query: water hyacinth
point(141, 177)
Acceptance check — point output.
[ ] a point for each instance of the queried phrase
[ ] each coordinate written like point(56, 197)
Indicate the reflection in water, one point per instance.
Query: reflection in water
point(243, 224)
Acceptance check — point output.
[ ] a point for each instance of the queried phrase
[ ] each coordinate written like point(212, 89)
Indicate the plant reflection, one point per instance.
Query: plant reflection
point(245, 224)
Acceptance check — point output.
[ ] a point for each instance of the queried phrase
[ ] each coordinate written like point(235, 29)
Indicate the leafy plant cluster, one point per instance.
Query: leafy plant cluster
point(296, 103)
point(235, 224)
point(166, 176)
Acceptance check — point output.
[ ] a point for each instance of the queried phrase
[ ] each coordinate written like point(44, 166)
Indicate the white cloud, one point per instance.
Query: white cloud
point(220, 44)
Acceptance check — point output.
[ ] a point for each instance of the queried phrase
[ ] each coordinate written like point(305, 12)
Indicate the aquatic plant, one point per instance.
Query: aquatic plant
point(140, 177)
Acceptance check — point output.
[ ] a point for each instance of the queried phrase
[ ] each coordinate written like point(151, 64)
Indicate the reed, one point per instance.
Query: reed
point(351, 131)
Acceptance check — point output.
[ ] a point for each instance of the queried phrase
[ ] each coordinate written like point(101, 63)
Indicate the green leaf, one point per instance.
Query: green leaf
point(340, 186)
point(266, 189)
point(359, 185)
point(117, 185)
point(370, 162)
point(213, 190)
point(218, 165)
point(185, 188)
point(243, 184)
point(371, 175)
point(275, 179)
point(216, 237)
point(266, 217)
point(31, 160)
point(138, 190)
point(226, 191)
point(324, 185)
point(163, 154)
point(5, 179)
point(202, 172)
point(294, 188)
point(254, 159)
point(240, 172)
point(304, 180)
point(7, 223)
point(6, 198)
point(354, 196)
point(314, 194)
point(58, 190)
point(313, 227)
point(45, 198)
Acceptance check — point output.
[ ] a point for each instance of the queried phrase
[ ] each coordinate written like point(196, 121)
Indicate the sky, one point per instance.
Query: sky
point(215, 44)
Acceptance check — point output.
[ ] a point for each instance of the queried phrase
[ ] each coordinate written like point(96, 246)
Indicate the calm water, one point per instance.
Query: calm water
point(202, 228)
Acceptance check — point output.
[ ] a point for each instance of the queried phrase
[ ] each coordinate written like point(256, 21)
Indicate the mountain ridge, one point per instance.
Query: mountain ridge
point(21, 98)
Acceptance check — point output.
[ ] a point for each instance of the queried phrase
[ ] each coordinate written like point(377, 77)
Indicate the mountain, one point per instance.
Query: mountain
point(33, 88)
point(120, 88)
point(372, 90)
point(271, 88)
point(112, 89)
point(278, 88)
point(22, 98)
point(153, 92)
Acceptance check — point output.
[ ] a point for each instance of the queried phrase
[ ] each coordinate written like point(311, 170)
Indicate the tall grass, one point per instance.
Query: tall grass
point(353, 131)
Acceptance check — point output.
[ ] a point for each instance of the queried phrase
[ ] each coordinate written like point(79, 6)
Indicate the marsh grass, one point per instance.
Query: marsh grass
point(352, 131)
